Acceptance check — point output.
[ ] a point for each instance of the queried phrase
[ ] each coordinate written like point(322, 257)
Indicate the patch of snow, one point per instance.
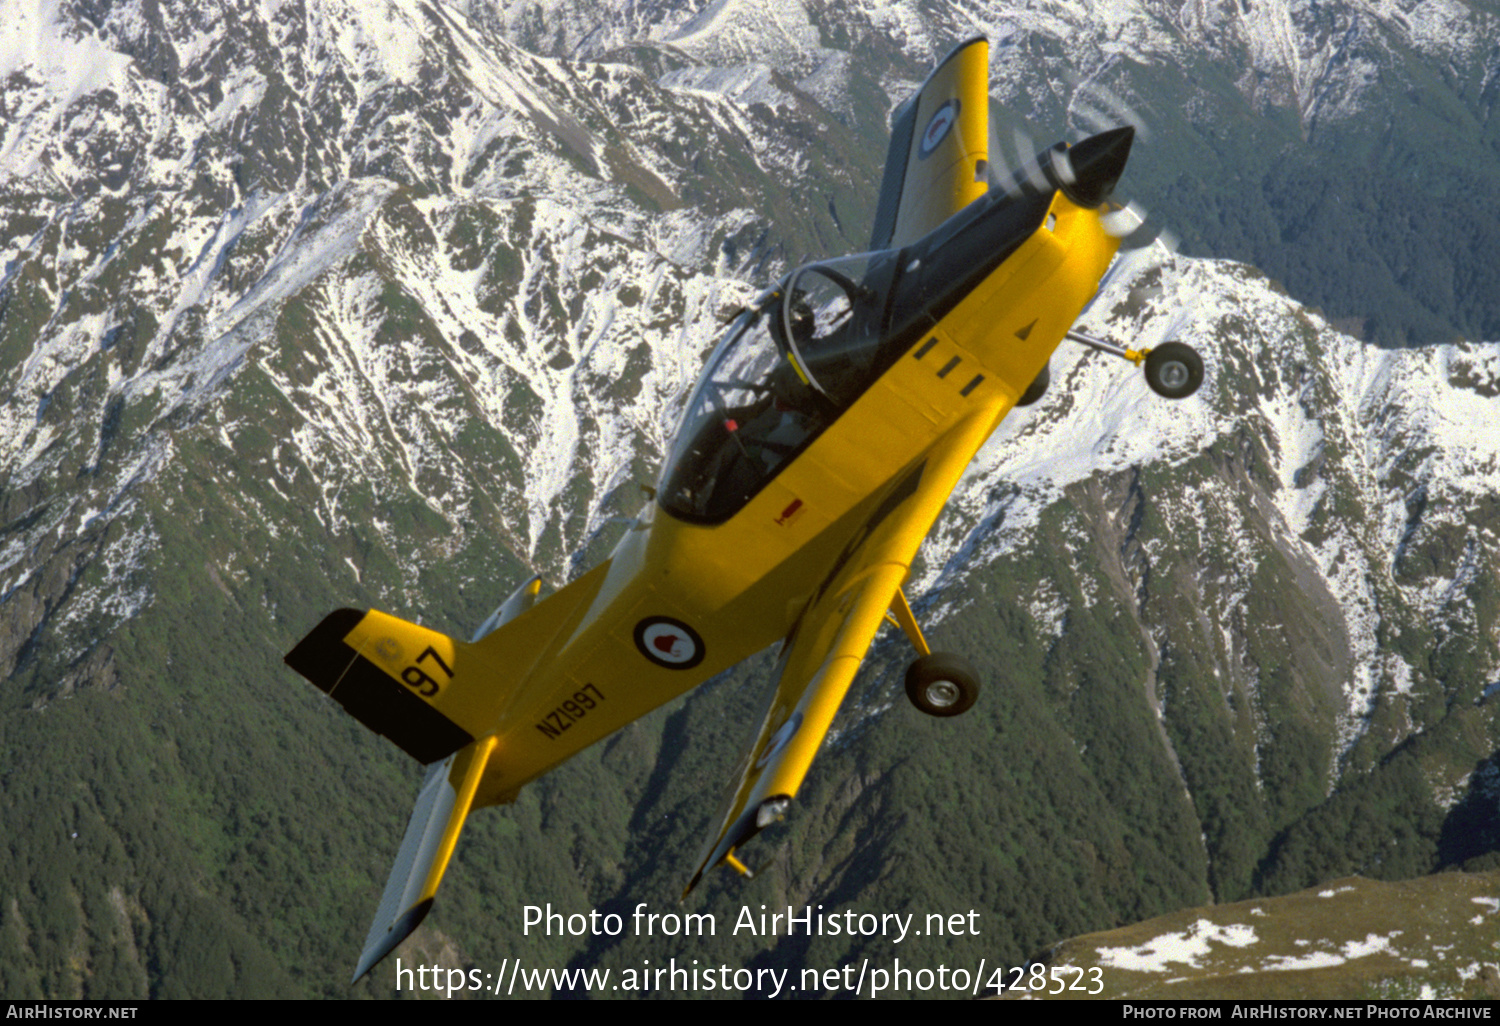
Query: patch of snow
point(1335, 890)
point(1187, 947)
point(1294, 963)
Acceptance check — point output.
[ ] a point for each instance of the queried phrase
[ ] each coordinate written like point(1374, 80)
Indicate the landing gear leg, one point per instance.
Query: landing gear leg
point(938, 683)
point(902, 616)
point(1174, 370)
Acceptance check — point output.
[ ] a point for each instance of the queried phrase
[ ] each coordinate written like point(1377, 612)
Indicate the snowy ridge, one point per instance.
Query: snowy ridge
point(1383, 938)
point(417, 292)
point(481, 246)
point(163, 255)
point(1405, 423)
point(1319, 60)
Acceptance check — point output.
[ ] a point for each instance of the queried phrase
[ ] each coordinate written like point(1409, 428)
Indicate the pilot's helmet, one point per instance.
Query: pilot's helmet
point(801, 317)
point(795, 312)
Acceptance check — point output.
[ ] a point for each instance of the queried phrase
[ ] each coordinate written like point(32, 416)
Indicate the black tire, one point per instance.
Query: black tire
point(942, 684)
point(1038, 386)
point(1174, 370)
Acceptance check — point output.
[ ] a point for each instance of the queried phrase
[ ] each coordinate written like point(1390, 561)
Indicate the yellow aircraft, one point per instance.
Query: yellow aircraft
point(823, 439)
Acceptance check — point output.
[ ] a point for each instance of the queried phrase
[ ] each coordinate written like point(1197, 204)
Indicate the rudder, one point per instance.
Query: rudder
point(429, 693)
point(375, 697)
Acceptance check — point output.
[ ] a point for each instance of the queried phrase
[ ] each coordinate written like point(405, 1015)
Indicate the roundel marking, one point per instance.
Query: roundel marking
point(668, 642)
point(938, 127)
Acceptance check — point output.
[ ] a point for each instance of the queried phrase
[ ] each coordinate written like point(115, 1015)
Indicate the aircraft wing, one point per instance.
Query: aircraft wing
point(431, 835)
point(938, 159)
point(829, 641)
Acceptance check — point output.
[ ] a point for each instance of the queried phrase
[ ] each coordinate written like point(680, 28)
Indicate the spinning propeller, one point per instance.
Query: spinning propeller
point(1087, 173)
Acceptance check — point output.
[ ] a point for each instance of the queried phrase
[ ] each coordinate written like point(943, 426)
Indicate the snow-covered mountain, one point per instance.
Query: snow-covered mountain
point(1353, 460)
point(320, 303)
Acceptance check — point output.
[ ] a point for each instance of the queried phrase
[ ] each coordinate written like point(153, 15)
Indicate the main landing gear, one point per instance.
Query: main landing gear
point(942, 684)
point(1174, 370)
point(938, 683)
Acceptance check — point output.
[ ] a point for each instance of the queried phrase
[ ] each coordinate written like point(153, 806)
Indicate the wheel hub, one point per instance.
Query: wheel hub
point(1174, 374)
point(942, 693)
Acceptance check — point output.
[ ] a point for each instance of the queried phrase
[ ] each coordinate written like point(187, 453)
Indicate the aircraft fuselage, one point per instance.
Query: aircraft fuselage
point(973, 311)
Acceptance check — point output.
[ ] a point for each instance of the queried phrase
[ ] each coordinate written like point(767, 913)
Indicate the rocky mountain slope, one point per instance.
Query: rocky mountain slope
point(1349, 149)
point(1426, 939)
point(319, 304)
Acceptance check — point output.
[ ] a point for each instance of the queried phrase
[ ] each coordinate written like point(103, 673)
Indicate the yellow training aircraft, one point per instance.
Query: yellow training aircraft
point(815, 454)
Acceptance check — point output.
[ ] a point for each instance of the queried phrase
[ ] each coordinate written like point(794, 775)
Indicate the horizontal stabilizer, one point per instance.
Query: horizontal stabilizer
point(442, 804)
point(429, 693)
point(522, 599)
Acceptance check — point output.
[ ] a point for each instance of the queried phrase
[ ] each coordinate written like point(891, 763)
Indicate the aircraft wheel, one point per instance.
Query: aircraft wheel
point(1037, 387)
point(1174, 370)
point(942, 684)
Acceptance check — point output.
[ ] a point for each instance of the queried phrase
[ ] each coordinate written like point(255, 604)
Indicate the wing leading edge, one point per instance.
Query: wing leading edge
point(831, 637)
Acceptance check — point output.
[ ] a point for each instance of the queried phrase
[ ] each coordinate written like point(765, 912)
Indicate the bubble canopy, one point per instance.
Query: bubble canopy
point(785, 369)
point(808, 348)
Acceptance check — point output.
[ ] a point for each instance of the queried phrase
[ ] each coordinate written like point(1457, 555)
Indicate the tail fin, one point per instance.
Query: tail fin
point(432, 696)
point(396, 696)
point(442, 805)
point(427, 692)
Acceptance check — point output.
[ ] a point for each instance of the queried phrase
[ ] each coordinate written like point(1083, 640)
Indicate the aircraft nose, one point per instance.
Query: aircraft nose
point(1087, 172)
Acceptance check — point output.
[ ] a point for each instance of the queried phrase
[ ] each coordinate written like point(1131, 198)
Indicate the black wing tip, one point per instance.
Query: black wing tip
point(400, 930)
point(957, 49)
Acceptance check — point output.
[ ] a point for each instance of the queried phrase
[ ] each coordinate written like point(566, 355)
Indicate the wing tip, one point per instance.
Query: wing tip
point(400, 930)
point(960, 48)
